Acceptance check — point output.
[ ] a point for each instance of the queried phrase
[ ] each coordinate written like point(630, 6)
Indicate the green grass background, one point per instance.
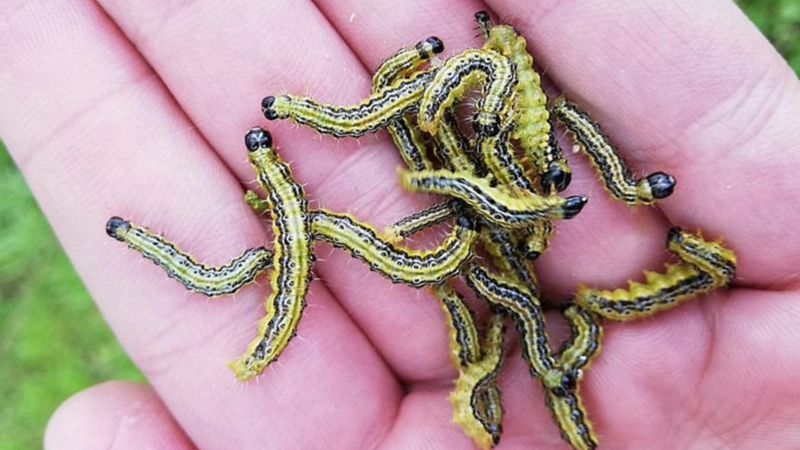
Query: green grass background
point(53, 341)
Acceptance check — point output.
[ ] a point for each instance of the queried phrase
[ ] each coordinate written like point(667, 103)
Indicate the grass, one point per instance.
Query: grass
point(44, 361)
point(53, 341)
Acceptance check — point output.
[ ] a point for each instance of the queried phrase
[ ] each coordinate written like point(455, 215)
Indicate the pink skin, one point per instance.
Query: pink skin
point(139, 109)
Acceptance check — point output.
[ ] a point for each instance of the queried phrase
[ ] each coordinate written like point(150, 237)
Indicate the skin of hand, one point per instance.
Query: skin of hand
point(138, 109)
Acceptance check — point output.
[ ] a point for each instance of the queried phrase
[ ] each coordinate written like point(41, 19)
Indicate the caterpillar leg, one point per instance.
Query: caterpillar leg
point(207, 280)
point(255, 201)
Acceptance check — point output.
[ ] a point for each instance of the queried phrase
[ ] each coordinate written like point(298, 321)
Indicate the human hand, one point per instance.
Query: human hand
point(141, 113)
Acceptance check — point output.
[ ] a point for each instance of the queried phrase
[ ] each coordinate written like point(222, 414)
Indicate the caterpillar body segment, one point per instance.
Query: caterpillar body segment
point(562, 397)
point(404, 61)
point(502, 247)
point(421, 220)
point(405, 135)
point(465, 347)
point(523, 307)
point(708, 256)
point(476, 397)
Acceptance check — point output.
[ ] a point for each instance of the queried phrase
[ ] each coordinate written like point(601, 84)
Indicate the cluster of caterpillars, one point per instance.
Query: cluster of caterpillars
point(500, 183)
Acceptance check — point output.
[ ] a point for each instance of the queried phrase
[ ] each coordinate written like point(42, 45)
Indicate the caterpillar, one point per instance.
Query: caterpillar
point(562, 384)
point(404, 61)
point(453, 148)
point(493, 203)
point(291, 258)
point(464, 343)
point(533, 128)
point(291, 275)
point(523, 306)
point(209, 281)
point(373, 113)
point(455, 76)
point(613, 171)
point(705, 266)
point(502, 247)
point(586, 333)
point(500, 160)
point(476, 397)
point(418, 221)
point(401, 265)
point(402, 130)
point(562, 397)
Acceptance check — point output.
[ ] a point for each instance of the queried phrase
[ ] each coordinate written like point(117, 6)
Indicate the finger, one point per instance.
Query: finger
point(693, 90)
point(109, 140)
point(290, 47)
point(119, 415)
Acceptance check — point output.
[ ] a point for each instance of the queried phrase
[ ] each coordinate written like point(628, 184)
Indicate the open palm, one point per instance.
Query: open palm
point(138, 109)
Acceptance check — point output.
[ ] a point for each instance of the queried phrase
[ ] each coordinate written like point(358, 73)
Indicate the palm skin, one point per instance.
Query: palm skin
point(139, 110)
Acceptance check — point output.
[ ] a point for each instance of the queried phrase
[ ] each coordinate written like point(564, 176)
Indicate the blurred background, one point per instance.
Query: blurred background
point(53, 341)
